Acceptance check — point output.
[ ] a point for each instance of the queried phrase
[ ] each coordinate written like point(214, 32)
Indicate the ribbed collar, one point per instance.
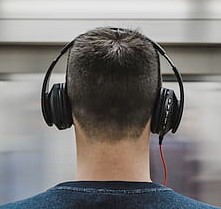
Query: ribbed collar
point(115, 185)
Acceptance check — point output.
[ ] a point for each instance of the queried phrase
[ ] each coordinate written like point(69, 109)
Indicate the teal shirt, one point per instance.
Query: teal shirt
point(108, 195)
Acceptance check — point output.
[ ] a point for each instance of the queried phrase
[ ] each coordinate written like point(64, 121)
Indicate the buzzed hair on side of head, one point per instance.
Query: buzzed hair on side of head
point(113, 80)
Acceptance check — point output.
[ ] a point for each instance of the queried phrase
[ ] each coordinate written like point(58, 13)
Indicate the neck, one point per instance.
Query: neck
point(125, 160)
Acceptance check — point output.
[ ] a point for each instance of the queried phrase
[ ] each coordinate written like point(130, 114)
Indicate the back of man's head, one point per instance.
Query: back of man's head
point(113, 80)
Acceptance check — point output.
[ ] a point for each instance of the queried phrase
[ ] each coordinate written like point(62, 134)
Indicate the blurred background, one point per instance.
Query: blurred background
point(34, 157)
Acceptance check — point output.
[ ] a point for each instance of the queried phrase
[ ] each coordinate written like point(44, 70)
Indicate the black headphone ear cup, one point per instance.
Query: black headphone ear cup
point(46, 109)
point(165, 114)
point(54, 105)
point(66, 107)
point(176, 109)
point(60, 110)
point(157, 111)
point(168, 112)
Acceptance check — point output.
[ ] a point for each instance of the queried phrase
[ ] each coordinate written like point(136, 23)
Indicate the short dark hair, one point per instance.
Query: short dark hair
point(113, 79)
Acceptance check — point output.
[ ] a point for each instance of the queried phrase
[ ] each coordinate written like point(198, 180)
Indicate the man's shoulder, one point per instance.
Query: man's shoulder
point(69, 197)
point(180, 201)
point(35, 202)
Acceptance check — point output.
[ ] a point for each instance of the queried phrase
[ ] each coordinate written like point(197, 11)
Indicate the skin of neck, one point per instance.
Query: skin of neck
point(126, 160)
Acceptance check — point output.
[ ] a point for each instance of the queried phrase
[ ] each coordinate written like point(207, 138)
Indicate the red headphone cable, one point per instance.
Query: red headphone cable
point(163, 161)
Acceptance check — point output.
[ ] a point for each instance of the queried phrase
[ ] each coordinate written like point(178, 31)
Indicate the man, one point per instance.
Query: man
point(112, 84)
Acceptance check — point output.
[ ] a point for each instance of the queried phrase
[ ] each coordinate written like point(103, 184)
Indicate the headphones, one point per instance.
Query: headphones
point(168, 110)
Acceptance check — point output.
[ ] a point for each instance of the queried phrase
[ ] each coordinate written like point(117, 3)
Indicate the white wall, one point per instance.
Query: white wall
point(168, 21)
